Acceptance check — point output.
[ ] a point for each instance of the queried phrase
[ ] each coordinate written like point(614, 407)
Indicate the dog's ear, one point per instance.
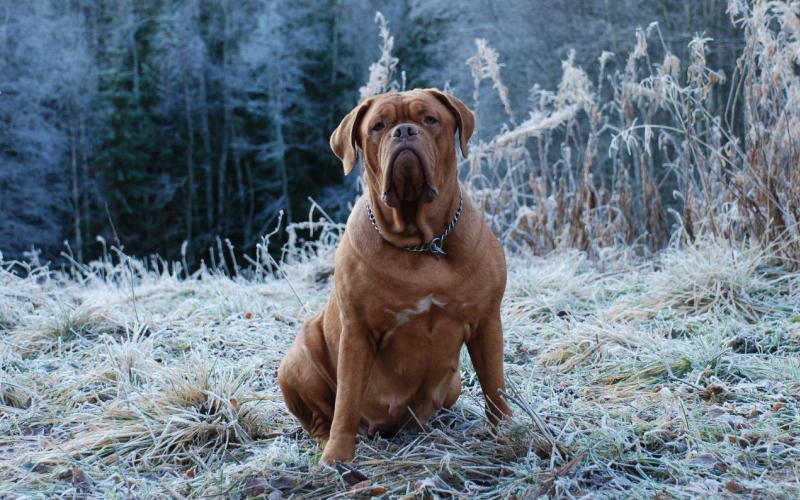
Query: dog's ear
point(345, 139)
point(465, 120)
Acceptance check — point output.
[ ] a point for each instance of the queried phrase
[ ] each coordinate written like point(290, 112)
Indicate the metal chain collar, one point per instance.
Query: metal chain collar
point(436, 245)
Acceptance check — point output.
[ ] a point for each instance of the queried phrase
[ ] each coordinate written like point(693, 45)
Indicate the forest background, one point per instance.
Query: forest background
point(151, 123)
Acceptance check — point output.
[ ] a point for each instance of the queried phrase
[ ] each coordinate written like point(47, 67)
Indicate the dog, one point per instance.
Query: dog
point(418, 274)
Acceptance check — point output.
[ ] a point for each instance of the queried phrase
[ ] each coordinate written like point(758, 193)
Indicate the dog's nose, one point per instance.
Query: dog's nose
point(405, 131)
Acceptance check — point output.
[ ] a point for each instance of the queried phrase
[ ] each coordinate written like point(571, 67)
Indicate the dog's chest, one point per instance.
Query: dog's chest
point(416, 358)
point(422, 308)
point(432, 320)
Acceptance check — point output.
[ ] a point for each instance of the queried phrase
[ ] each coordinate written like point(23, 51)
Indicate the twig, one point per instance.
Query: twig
point(127, 262)
point(517, 398)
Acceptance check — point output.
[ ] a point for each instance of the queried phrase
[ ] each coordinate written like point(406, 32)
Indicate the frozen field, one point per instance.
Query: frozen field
point(675, 376)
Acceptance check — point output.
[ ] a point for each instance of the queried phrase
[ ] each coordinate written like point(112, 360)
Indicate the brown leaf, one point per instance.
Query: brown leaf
point(377, 490)
point(254, 486)
point(754, 412)
point(365, 490)
point(248, 315)
point(358, 486)
point(734, 487)
point(778, 406)
point(742, 442)
point(190, 472)
point(712, 391)
point(350, 474)
point(81, 480)
point(234, 404)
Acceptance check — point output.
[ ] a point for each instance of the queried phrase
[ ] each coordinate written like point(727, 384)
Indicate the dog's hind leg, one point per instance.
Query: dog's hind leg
point(455, 390)
point(307, 394)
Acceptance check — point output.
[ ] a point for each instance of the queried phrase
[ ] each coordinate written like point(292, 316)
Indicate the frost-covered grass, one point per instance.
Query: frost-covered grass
point(677, 375)
point(631, 373)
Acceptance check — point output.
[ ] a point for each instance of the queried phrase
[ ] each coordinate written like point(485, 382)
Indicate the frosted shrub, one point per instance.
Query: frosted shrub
point(644, 154)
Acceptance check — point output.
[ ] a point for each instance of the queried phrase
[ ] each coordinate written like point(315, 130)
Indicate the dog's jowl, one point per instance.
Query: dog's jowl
point(418, 274)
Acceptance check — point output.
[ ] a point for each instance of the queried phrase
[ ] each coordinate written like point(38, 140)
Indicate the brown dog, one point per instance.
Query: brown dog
point(386, 347)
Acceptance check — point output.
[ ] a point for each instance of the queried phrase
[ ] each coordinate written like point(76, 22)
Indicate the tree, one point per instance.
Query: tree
point(47, 94)
point(274, 58)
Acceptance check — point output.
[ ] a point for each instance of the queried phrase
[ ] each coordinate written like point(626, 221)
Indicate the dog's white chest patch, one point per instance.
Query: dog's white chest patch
point(422, 306)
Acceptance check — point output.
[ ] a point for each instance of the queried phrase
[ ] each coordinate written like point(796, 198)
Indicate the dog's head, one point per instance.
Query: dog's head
point(407, 141)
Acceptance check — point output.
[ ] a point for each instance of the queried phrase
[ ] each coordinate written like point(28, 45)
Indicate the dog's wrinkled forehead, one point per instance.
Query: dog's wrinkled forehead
point(399, 107)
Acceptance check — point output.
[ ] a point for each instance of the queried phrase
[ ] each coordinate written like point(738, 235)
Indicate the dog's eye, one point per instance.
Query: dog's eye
point(378, 127)
point(429, 120)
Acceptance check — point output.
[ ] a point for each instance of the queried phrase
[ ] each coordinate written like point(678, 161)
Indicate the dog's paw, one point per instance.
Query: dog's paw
point(336, 451)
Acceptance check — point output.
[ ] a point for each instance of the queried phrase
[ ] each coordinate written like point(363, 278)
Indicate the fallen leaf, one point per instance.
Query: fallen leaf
point(234, 404)
point(377, 490)
point(778, 406)
point(704, 460)
point(350, 474)
point(712, 391)
point(742, 442)
point(599, 479)
point(248, 315)
point(734, 487)
point(365, 490)
point(254, 486)
point(358, 486)
point(716, 412)
point(282, 482)
point(190, 472)
point(41, 468)
point(564, 469)
point(81, 480)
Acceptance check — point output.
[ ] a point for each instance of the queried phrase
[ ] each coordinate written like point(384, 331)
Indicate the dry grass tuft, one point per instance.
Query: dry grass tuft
point(13, 393)
point(191, 417)
point(718, 276)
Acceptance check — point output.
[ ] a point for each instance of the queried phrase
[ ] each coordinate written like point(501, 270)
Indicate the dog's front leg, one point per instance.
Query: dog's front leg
point(485, 348)
point(353, 366)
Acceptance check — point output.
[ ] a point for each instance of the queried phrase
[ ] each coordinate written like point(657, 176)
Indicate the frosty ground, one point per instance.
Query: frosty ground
point(676, 375)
